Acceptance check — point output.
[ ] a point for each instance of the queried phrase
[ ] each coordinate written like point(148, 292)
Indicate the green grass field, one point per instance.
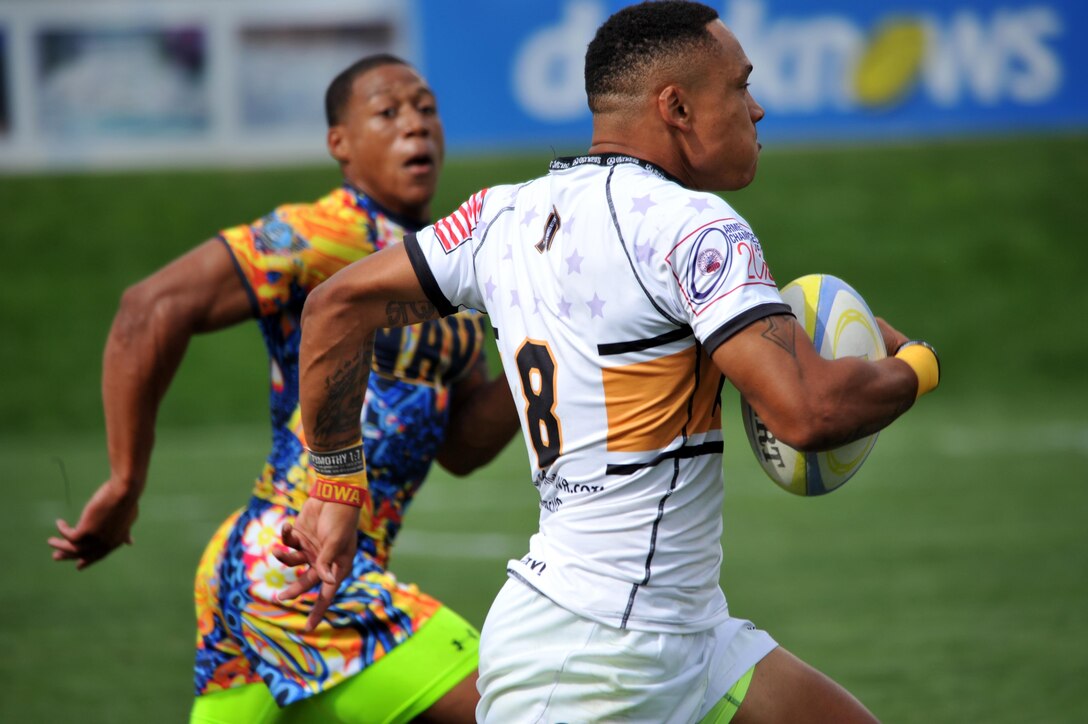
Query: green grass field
point(946, 583)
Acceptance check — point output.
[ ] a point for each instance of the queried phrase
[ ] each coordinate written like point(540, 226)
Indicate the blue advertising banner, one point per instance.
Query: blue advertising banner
point(510, 74)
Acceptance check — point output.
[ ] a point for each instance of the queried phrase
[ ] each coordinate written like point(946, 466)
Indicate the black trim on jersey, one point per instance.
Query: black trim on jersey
point(630, 261)
point(254, 305)
point(736, 324)
point(610, 160)
point(426, 276)
point(699, 356)
point(680, 453)
point(718, 400)
point(653, 542)
point(637, 345)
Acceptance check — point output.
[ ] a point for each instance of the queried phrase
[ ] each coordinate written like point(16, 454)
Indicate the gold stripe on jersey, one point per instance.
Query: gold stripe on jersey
point(650, 404)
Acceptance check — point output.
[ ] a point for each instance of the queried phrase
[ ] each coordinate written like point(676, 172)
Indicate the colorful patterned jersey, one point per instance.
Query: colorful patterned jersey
point(244, 634)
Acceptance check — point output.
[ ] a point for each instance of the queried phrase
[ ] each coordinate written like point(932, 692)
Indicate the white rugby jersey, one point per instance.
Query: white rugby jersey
point(608, 284)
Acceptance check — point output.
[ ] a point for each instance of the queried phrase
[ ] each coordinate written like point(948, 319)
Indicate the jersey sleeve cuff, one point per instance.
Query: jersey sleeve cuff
point(426, 277)
point(254, 305)
point(720, 335)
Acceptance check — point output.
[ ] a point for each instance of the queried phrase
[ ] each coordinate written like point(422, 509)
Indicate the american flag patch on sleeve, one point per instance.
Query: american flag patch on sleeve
point(457, 228)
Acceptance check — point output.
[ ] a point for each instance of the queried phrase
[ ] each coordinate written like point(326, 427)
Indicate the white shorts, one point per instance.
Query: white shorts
point(541, 663)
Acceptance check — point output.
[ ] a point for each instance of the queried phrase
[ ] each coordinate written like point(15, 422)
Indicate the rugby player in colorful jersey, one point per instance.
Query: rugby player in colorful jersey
point(385, 652)
point(622, 291)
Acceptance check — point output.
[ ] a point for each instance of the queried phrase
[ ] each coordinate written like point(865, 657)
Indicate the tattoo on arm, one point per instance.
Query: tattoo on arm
point(781, 334)
point(338, 421)
point(399, 314)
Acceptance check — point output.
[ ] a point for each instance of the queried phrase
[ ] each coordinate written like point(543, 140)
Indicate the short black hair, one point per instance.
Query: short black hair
point(639, 38)
point(339, 91)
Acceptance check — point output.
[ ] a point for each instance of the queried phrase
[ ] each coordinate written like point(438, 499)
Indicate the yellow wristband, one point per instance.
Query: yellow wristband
point(922, 358)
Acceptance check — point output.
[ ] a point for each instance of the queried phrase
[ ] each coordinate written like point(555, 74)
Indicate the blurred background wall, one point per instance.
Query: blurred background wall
point(128, 83)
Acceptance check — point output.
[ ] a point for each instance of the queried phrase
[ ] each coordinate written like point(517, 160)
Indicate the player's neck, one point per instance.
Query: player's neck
point(631, 140)
point(408, 215)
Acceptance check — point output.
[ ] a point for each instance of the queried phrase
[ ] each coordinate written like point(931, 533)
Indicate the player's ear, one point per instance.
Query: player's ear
point(673, 108)
point(337, 142)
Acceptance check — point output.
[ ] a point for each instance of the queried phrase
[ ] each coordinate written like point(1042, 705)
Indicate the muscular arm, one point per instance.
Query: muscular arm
point(806, 401)
point(483, 418)
point(338, 325)
point(198, 292)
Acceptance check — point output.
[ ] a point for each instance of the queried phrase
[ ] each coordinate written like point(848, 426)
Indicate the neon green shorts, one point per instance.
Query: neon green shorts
point(396, 688)
point(727, 707)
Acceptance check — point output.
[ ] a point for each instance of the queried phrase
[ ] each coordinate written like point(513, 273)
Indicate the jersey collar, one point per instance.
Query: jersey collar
point(372, 207)
point(610, 159)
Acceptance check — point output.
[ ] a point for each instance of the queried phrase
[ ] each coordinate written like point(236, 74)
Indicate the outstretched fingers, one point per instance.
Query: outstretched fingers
point(63, 546)
point(307, 552)
point(289, 557)
point(303, 582)
point(83, 548)
point(324, 599)
point(317, 569)
point(299, 554)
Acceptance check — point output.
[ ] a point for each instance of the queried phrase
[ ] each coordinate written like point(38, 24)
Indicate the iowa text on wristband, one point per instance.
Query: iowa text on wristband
point(345, 461)
point(340, 491)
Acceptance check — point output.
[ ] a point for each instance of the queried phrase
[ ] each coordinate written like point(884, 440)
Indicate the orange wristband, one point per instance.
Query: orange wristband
point(349, 490)
point(922, 358)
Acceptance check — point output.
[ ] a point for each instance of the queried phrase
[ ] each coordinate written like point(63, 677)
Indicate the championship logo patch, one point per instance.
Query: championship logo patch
point(709, 261)
point(717, 259)
point(710, 258)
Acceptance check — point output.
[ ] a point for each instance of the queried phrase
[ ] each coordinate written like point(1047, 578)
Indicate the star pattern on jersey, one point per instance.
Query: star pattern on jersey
point(509, 252)
point(529, 216)
point(514, 301)
point(574, 262)
point(489, 289)
point(564, 307)
point(642, 204)
point(536, 304)
point(699, 203)
point(596, 306)
point(644, 252)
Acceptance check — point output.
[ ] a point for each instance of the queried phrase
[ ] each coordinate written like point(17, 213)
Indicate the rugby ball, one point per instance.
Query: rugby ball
point(839, 323)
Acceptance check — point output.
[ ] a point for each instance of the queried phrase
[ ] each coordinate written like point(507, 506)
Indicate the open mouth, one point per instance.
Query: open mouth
point(420, 163)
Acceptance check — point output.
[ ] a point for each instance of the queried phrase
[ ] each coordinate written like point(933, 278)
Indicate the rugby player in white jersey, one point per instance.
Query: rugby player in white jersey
point(621, 291)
